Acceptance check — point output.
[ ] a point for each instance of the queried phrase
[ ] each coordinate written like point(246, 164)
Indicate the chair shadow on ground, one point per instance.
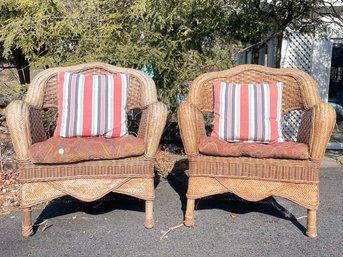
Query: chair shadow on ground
point(229, 202)
point(110, 202)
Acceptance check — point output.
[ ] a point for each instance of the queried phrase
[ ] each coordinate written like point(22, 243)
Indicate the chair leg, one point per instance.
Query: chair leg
point(27, 223)
point(311, 223)
point(189, 217)
point(149, 214)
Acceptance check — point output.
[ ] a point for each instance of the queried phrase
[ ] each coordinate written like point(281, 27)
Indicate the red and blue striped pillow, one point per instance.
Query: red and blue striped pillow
point(92, 105)
point(247, 112)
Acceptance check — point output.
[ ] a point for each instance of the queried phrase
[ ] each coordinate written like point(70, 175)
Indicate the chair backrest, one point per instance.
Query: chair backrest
point(299, 89)
point(42, 92)
point(299, 92)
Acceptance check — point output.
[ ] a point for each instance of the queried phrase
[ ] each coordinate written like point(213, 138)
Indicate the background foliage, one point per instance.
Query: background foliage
point(171, 39)
point(174, 40)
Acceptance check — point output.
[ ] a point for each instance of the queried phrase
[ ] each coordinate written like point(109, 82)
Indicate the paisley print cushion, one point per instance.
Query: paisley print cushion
point(74, 149)
point(282, 150)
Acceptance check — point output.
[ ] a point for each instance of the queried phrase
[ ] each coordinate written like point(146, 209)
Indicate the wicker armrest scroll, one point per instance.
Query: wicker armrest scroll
point(324, 120)
point(155, 123)
point(26, 127)
point(187, 115)
point(316, 128)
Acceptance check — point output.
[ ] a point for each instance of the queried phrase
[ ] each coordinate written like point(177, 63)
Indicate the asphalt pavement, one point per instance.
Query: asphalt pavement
point(225, 225)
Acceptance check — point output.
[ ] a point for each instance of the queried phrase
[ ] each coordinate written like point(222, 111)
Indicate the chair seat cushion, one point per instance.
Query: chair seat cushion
point(282, 150)
point(69, 150)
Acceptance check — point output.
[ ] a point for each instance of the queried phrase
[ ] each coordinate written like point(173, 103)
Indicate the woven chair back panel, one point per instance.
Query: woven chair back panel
point(291, 94)
point(134, 92)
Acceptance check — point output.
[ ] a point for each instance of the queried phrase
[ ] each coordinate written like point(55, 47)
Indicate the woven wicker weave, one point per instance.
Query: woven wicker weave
point(252, 178)
point(89, 180)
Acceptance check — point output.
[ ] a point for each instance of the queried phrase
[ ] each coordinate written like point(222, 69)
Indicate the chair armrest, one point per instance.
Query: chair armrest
point(316, 129)
point(155, 122)
point(187, 117)
point(26, 127)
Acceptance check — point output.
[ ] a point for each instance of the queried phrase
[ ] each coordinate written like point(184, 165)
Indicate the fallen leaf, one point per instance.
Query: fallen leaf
point(233, 216)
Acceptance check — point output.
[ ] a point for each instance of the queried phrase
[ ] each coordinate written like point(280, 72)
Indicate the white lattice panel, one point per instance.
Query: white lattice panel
point(290, 124)
point(297, 50)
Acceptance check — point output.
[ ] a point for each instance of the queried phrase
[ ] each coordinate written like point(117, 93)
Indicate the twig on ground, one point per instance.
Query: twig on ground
point(302, 217)
point(44, 225)
point(170, 229)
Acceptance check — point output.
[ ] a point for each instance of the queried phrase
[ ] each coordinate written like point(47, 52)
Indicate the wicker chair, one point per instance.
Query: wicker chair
point(257, 178)
point(87, 180)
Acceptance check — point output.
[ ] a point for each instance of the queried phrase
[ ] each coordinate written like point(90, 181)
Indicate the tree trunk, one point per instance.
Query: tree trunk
point(255, 55)
point(278, 51)
point(22, 65)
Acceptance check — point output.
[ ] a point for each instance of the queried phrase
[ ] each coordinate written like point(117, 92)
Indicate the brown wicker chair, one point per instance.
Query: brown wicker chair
point(257, 178)
point(87, 180)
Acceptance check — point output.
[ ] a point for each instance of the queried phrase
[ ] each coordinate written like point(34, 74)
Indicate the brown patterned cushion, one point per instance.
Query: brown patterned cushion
point(66, 150)
point(283, 150)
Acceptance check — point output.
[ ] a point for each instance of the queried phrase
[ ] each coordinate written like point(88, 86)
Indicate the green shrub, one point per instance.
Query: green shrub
point(174, 40)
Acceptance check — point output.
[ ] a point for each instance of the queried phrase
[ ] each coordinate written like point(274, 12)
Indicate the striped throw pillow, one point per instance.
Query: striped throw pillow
point(92, 105)
point(247, 112)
